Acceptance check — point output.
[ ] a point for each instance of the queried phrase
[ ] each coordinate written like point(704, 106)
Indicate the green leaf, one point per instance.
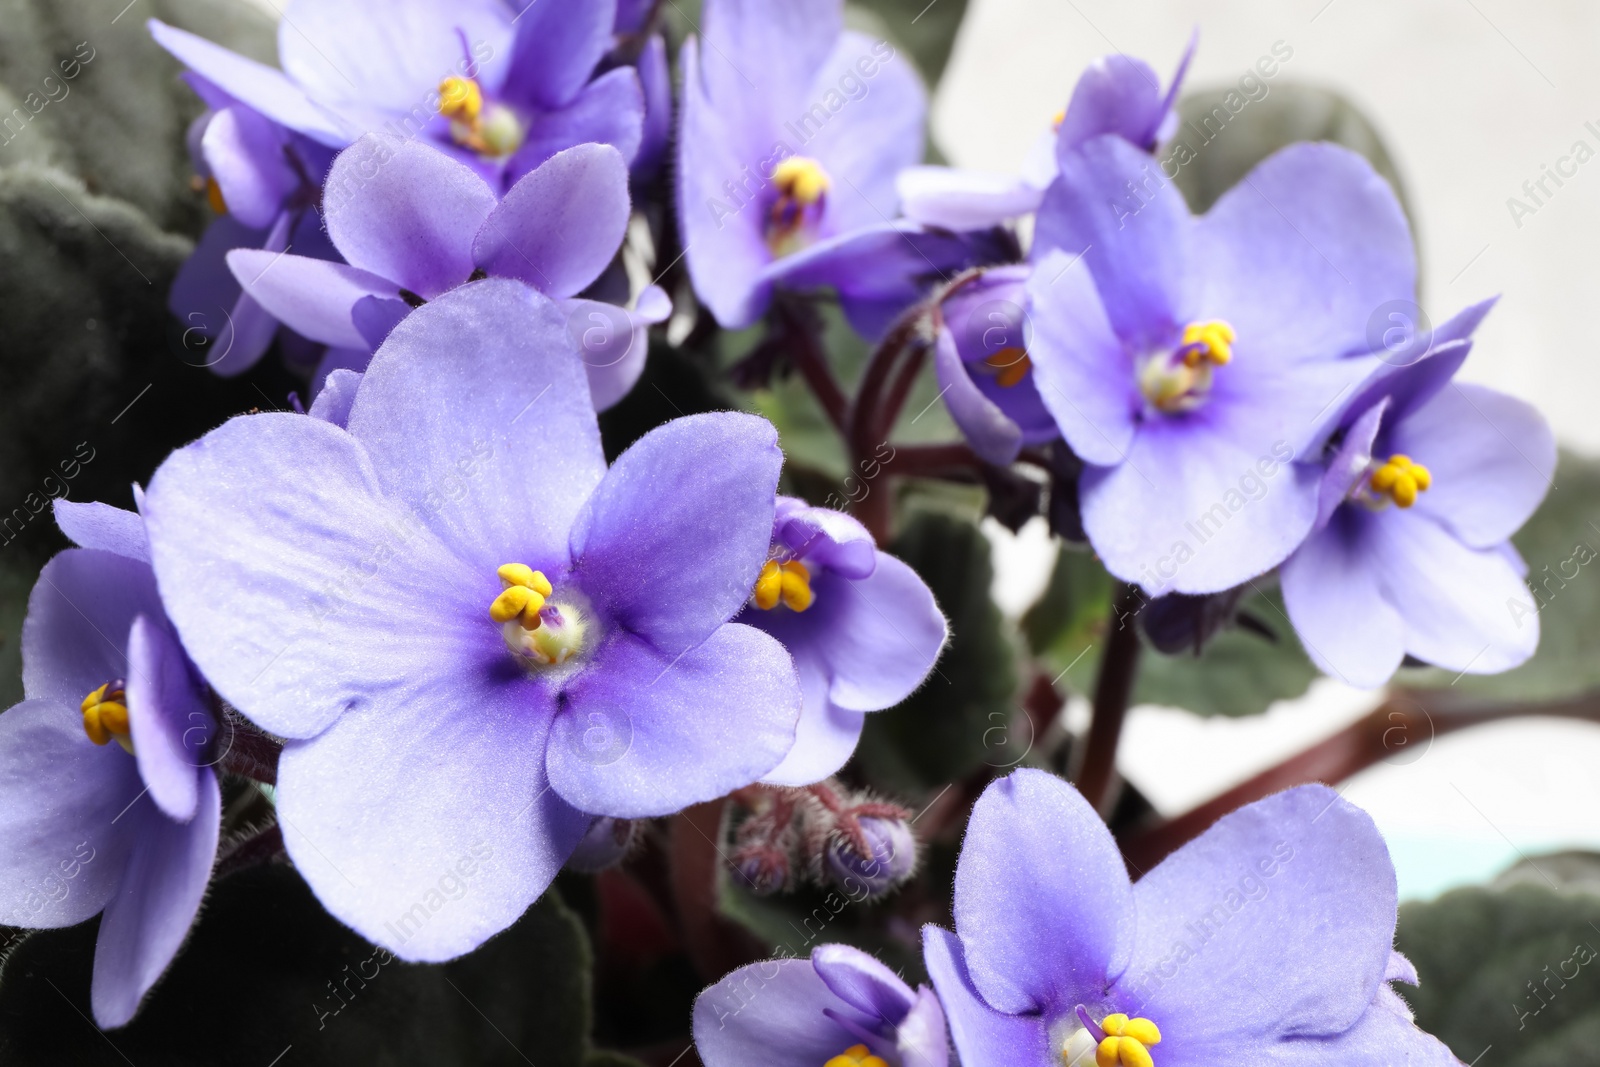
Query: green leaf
point(1517, 969)
point(267, 970)
point(1561, 545)
point(950, 726)
point(926, 29)
point(1228, 134)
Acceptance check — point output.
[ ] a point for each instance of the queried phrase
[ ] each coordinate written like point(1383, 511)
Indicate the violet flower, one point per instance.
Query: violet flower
point(472, 634)
point(862, 627)
point(1410, 555)
point(108, 801)
point(412, 223)
point(792, 132)
point(840, 1008)
point(1196, 364)
point(502, 89)
point(1271, 934)
point(1116, 94)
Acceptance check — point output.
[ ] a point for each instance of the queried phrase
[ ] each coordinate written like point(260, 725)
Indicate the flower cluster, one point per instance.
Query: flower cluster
point(435, 609)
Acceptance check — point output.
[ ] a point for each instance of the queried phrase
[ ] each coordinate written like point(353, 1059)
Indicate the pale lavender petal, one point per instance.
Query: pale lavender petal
point(79, 614)
point(655, 78)
point(476, 414)
point(922, 1037)
point(823, 536)
point(1400, 969)
point(1304, 251)
point(670, 544)
point(1116, 94)
point(313, 297)
point(615, 341)
point(761, 60)
point(431, 833)
point(609, 111)
point(261, 87)
point(248, 328)
point(1492, 458)
point(298, 589)
point(863, 982)
point(1350, 462)
point(637, 718)
point(110, 529)
point(557, 47)
point(826, 735)
point(989, 430)
point(1333, 591)
point(62, 846)
point(246, 154)
point(335, 397)
point(171, 725)
point(156, 902)
point(983, 1037)
point(1113, 206)
point(964, 199)
point(1297, 887)
point(406, 213)
point(769, 1013)
point(355, 360)
point(878, 636)
point(1084, 375)
point(560, 225)
point(375, 318)
point(1042, 900)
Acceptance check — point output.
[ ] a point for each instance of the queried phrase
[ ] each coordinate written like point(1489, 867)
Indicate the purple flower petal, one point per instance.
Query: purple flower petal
point(1350, 462)
point(670, 544)
point(762, 60)
point(1492, 458)
point(964, 199)
point(1333, 590)
point(1139, 245)
point(637, 717)
point(655, 78)
point(989, 430)
point(298, 589)
point(256, 85)
point(313, 297)
point(246, 154)
point(609, 110)
point(155, 904)
point(406, 212)
point(560, 225)
point(1116, 94)
point(983, 1037)
point(769, 1013)
point(1197, 517)
point(375, 319)
point(922, 1037)
point(862, 982)
point(172, 728)
point(557, 47)
point(1042, 900)
point(1459, 603)
point(826, 735)
point(614, 343)
point(1084, 375)
point(110, 529)
point(79, 615)
point(430, 833)
point(1303, 252)
point(496, 447)
point(1296, 890)
point(823, 536)
point(1384, 1036)
point(877, 636)
point(336, 396)
point(246, 329)
point(62, 846)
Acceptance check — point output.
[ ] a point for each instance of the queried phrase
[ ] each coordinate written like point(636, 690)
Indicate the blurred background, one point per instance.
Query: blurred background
point(1471, 98)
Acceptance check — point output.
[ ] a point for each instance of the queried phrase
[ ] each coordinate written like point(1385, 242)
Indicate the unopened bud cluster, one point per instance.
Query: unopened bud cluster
point(823, 834)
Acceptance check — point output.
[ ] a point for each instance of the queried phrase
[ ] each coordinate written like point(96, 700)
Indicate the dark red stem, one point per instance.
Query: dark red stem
point(1113, 689)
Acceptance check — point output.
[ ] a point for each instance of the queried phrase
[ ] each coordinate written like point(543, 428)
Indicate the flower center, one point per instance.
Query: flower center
point(802, 196)
point(105, 715)
point(788, 582)
point(1398, 480)
point(856, 1056)
point(1012, 365)
point(537, 630)
point(1127, 1042)
point(487, 128)
point(1180, 380)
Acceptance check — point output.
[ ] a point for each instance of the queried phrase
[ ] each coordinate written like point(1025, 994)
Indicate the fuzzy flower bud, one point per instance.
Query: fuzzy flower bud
point(762, 868)
point(891, 856)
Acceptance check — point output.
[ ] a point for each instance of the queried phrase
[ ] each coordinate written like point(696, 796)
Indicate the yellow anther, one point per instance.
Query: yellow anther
point(1012, 363)
point(105, 716)
point(524, 594)
point(1061, 116)
point(1208, 342)
point(460, 99)
point(801, 179)
point(1127, 1042)
point(1401, 480)
point(856, 1056)
point(214, 197)
point(788, 582)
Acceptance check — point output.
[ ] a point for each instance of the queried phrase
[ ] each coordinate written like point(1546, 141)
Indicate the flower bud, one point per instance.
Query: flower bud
point(605, 845)
point(893, 856)
point(761, 868)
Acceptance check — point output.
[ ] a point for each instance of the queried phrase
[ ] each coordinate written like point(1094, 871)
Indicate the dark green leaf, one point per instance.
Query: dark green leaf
point(950, 726)
point(1517, 969)
point(267, 972)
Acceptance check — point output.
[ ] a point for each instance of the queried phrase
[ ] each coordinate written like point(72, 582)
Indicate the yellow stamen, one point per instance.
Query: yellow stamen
point(487, 128)
point(1126, 1042)
point(523, 596)
point(856, 1056)
point(460, 99)
point(788, 582)
point(1012, 363)
point(802, 194)
point(1212, 342)
point(214, 197)
point(1061, 116)
point(105, 716)
point(1401, 480)
point(801, 179)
